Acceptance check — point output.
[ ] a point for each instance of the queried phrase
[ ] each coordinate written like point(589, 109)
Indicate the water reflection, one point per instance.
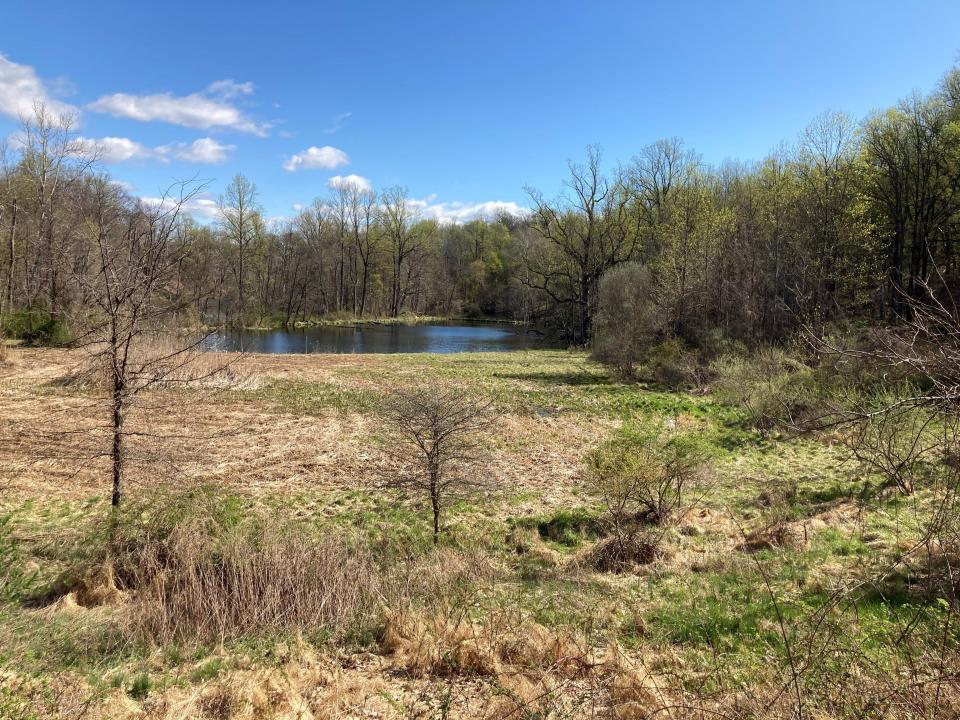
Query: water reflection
point(381, 339)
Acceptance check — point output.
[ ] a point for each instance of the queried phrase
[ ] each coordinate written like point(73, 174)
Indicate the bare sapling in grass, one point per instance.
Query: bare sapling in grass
point(897, 445)
point(438, 430)
point(643, 481)
point(897, 430)
point(130, 296)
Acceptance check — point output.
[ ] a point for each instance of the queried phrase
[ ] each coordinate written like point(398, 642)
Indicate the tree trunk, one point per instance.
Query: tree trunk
point(11, 247)
point(117, 453)
point(435, 502)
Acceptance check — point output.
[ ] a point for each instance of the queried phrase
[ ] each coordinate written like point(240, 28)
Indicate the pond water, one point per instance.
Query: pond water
point(364, 338)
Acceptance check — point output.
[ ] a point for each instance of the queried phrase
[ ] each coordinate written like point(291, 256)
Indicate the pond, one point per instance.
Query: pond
point(382, 338)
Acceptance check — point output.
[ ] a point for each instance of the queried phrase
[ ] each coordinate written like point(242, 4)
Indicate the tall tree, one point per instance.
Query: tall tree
point(587, 230)
point(240, 217)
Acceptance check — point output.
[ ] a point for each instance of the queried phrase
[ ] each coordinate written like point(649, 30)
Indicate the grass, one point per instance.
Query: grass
point(293, 486)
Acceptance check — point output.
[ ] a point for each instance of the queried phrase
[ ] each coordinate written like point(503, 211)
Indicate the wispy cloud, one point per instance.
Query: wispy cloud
point(211, 108)
point(326, 158)
point(338, 122)
point(21, 87)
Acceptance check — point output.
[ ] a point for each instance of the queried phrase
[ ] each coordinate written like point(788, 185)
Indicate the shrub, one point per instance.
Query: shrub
point(438, 429)
point(675, 365)
point(641, 477)
point(775, 389)
point(35, 327)
point(897, 445)
point(627, 320)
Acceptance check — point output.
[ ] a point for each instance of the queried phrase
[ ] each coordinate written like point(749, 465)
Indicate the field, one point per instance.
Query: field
point(782, 579)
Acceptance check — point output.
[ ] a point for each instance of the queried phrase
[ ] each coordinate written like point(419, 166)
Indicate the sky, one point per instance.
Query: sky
point(465, 103)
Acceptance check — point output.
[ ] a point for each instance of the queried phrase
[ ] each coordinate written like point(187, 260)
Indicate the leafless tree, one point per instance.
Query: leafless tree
point(397, 218)
point(132, 303)
point(241, 223)
point(586, 233)
point(51, 158)
point(439, 429)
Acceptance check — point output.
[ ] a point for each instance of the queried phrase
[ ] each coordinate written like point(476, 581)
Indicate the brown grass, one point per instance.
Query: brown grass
point(194, 587)
point(622, 553)
point(54, 441)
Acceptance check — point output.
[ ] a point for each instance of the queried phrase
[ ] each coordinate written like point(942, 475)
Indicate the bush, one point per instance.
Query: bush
point(641, 477)
point(627, 320)
point(35, 327)
point(777, 390)
point(898, 445)
point(675, 365)
point(642, 480)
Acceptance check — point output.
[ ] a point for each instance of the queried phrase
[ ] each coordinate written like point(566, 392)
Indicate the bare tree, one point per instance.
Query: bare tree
point(439, 429)
point(131, 290)
point(587, 233)
point(397, 218)
point(52, 158)
point(240, 214)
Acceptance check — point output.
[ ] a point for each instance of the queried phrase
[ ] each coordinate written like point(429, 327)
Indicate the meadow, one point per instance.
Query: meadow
point(258, 569)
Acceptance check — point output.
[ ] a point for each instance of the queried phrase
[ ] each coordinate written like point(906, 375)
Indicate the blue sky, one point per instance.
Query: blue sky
point(465, 103)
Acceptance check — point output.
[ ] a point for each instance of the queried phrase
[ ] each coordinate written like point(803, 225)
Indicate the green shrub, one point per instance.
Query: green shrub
point(642, 475)
point(627, 319)
point(674, 364)
point(777, 390)
point(35, 327)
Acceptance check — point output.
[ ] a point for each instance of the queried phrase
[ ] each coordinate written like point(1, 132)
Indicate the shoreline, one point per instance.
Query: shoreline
point(352, 322)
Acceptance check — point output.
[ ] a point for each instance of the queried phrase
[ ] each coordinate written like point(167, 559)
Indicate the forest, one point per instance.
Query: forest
point(843, 225)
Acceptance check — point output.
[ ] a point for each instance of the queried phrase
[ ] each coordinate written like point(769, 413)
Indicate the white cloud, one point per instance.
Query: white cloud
point(203, 150)
point(117, 149)
point(457, 213)
point(20, 88)
point(201, 207)
point(344, 181)
point(207, 109)
point(229, 88)
point(113, 150)
point(313, 157)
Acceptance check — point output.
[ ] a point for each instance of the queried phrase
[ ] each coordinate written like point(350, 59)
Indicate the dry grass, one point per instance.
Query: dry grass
point(195, 588)
point(56, 437)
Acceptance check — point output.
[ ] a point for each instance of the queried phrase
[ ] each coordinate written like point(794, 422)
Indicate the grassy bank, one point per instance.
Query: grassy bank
point(783, 575)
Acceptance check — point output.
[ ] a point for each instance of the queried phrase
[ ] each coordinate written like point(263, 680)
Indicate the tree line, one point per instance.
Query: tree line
point(850, 222)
